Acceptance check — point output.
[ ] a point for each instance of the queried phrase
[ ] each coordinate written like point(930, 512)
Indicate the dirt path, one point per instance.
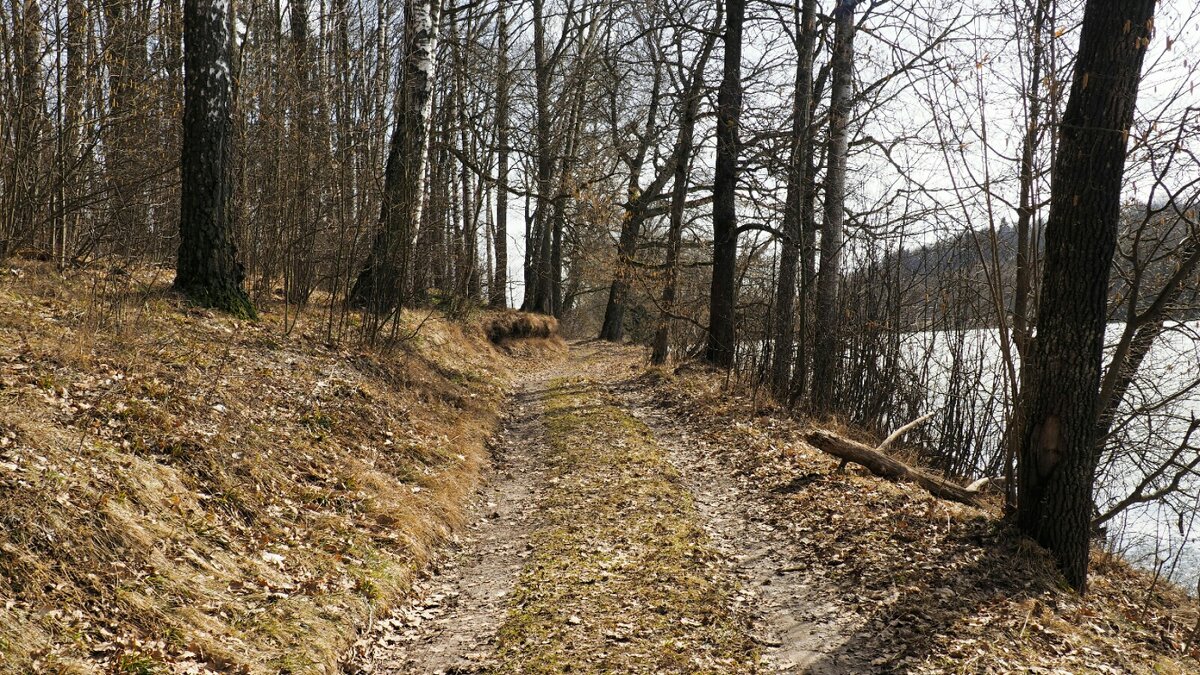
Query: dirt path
point(796, 615)
point(449, 626)
point(610, 540)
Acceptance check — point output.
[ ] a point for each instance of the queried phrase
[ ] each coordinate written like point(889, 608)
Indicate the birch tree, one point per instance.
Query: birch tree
point(207, 269)
point(381, 285)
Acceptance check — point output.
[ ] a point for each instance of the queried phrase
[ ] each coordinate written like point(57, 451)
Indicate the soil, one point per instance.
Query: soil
point(796, 616)
point(450, 624)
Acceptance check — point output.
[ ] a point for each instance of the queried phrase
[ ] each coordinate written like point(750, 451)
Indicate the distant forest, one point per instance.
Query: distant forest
point(963, 263)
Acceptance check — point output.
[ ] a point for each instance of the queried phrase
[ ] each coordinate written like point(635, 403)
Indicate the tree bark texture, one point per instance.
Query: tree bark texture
point(784, 336)
point(1058, 457)
point(826, 346)
point(498, 289)
point(381, 285)
point(722, 345)
point(538, 285)
point(20, 178)
point(208, 271)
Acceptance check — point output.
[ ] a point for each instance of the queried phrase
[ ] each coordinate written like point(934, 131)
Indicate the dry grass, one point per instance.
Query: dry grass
point(508, 327)
point(622, 578)
point(182, 492)
point(939, 587)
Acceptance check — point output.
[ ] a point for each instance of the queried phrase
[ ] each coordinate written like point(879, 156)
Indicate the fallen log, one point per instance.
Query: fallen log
point(886, 466)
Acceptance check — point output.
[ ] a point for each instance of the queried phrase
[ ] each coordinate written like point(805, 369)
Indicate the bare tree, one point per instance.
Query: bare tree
point(722, 345)
point(825, 349)
point(638, 201)
point(498, 289)
point(681, 161)
point(783, 340)
point(381, 283)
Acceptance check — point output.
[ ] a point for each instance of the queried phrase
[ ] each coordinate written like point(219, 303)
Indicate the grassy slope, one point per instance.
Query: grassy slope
point(182, 490)
point(942, 588)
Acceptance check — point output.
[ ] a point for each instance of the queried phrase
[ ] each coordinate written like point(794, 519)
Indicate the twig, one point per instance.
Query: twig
point(905, 429)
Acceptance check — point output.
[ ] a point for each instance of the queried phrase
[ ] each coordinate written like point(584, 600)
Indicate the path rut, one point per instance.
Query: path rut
point(797, 618)
point(451, 624)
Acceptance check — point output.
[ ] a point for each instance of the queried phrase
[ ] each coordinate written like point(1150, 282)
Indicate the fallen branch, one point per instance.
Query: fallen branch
point(886, 466)
point(980, 484)
point(904, 430)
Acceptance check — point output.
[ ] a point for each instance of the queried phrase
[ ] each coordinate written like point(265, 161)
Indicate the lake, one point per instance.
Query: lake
point(1155, 419)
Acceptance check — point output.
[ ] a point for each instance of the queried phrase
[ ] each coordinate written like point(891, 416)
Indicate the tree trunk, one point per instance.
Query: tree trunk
point(381, 285)
point(1025, 247)
point(539, 294)
point(1058, 455)
point(72, 124)
point(20, 179)
point(207, 270)
point(301, 272)
point(808, 269)
point(613, 327)
point(528, 272)
point(468, 272)
point(562, 195)
point(498, 289)
point(826, 344)
point(722, 345)
point(125, 155)
point(785, 293)
point(690, 110)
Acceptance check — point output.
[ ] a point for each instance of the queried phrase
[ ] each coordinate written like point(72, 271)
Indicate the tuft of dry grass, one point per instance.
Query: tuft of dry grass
point(183, 491)
point(504, 327)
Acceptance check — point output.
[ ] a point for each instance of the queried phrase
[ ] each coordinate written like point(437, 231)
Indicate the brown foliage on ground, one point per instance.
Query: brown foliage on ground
point(180, 489)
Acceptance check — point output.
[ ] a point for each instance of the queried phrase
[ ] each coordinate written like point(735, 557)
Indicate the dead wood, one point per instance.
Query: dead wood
point(886, 466)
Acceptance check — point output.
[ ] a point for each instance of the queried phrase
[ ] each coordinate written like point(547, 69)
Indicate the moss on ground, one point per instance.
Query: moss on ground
point(621, 578)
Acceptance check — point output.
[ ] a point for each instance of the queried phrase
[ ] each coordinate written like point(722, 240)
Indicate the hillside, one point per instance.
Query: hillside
point(968, 262)
point(184, 492)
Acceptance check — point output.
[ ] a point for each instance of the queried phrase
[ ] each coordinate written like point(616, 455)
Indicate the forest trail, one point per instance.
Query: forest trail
point(449, 624)
point(609, 541)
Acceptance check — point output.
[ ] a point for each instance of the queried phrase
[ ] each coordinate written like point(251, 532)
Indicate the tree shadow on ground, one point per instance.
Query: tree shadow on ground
point(907, 570)
point(914, 583)
point(945, 594)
